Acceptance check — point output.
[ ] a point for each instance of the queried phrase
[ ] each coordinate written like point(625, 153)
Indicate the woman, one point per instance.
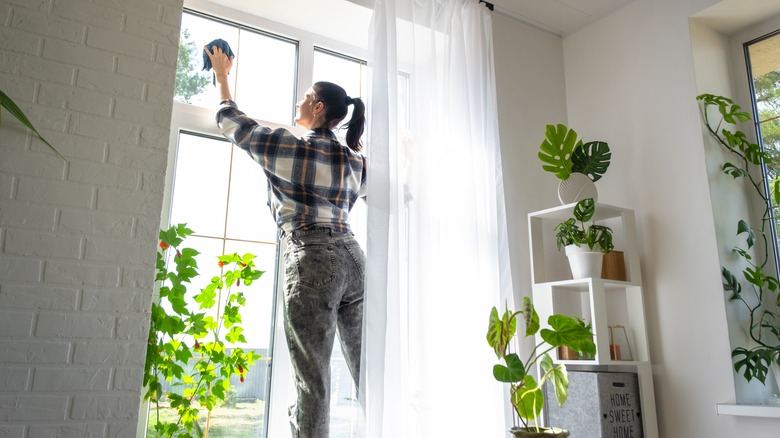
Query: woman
point(313, 183)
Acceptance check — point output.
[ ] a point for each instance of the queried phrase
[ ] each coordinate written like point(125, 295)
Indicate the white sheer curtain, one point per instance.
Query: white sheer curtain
point(437, 249)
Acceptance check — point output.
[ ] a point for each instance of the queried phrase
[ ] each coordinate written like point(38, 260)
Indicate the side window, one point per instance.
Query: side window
point(763, 57)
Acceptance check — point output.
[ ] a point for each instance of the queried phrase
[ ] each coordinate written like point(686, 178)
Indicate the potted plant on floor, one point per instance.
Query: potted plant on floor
point(585, 244)
point(578, 165)
point(526, 394)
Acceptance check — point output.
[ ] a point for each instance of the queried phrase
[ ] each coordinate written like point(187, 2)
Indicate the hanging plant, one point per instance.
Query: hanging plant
point(195, 328)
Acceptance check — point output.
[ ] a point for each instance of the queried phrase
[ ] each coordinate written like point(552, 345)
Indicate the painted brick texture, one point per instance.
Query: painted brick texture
point(78, 238)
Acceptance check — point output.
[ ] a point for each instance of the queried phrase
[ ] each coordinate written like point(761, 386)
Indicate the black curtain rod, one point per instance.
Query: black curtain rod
point(489, 5)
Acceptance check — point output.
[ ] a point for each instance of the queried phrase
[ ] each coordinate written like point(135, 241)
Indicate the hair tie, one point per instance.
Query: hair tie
point(349, 101)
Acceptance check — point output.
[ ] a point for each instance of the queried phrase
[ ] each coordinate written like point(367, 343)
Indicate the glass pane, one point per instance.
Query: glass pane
point(266, 71)
point(243, 412)
point(350, 74)
point(193, 85)
point(200, 184)
point(765, 67)
point(259, 298)
point(764, 59)
point(249, 217)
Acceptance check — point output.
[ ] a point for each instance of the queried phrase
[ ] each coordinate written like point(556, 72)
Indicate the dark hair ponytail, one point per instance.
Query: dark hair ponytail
point(336, 102)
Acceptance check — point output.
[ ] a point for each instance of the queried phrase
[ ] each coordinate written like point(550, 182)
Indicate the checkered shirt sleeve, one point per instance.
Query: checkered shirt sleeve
point(313, 181)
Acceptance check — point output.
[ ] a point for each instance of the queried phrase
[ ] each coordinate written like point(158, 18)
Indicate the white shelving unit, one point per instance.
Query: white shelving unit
point(603, 302)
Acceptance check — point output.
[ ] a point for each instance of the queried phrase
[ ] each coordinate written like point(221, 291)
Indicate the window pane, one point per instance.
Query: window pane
point(764, 62)
point(249, 217)
point(266, 75)
point(259, 296)
point(242, 415)
point(349, 73)
point(200, 184)
point(193, 85)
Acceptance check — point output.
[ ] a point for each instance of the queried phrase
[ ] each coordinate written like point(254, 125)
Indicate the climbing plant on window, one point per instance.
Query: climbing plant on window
point(756, 287)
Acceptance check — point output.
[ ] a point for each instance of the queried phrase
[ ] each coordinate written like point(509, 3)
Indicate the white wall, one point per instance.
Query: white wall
point(531, 94)
point(78, 240)
point(630, 80)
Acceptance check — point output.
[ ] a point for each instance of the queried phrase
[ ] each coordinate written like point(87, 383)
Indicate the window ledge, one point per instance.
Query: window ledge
point(748, 410)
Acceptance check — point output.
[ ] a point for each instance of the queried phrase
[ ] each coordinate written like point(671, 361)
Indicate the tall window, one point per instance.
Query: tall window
point(220, 192)
point(763, 57)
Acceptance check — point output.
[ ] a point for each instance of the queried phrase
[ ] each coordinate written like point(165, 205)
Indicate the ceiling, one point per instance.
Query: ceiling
point(560, 17)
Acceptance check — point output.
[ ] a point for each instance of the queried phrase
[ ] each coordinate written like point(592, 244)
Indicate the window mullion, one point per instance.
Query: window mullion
point(305, 65)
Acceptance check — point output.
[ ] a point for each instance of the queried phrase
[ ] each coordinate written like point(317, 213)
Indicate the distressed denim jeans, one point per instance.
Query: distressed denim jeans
point(323, 294)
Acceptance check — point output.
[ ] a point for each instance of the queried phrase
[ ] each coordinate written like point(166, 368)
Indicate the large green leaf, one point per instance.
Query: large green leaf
point(500, 331)
point(528, 399)
point(756, 362)
point(558, 377)
point(592, 159)
point(530, 316)
point(15, 111)
point(556, 150)
point(743, 227)
point(731, 284)
point(567, 331)
point(513, 372)
point(584, 210)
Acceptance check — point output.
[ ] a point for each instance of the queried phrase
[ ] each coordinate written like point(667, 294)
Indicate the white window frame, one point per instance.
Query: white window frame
point(199, 120)
point(741, 83)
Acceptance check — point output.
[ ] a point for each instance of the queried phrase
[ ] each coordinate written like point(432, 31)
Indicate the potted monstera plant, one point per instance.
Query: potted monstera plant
point(576, 163)
point(584, 243)
point(526, 393)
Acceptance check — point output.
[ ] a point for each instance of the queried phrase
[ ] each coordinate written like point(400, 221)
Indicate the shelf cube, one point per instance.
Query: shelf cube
point(600, 405)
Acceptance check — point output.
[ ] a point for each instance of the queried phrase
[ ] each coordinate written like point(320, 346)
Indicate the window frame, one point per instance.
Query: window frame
point(192, 119)
point(773, 228)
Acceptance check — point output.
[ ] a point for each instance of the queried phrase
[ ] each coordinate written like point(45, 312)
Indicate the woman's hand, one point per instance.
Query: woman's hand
point(220, 62)
point(221, 65)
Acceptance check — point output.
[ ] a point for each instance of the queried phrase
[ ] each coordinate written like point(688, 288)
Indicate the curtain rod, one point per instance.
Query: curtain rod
point(488, 4)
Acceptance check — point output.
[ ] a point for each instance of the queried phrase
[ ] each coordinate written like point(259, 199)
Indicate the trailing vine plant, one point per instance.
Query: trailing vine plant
point(194, 328)
point(759, 277)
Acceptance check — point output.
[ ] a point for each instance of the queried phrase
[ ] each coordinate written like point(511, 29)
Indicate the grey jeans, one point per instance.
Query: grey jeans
point(323, 293)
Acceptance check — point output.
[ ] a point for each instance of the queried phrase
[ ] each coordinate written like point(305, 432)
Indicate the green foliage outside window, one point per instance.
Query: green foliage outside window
point(195, 329)
point(189, 82)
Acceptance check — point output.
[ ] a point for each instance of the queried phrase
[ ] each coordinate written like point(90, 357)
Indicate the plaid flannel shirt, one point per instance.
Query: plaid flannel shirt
point(312, 181)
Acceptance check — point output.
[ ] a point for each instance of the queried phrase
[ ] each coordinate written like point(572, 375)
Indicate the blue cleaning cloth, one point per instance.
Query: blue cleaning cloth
point(222, 44)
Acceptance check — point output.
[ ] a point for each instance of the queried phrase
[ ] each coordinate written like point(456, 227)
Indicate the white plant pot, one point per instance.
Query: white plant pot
point(584, 262)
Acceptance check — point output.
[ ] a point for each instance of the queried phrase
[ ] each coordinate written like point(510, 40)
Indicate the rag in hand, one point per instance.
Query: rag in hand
point(222, 44)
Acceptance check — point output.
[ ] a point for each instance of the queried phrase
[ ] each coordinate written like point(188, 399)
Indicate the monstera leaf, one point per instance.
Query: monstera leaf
point(592, 159)
point(557, 148)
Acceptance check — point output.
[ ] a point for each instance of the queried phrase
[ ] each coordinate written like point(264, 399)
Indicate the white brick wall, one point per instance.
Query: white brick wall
point(78, 239)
